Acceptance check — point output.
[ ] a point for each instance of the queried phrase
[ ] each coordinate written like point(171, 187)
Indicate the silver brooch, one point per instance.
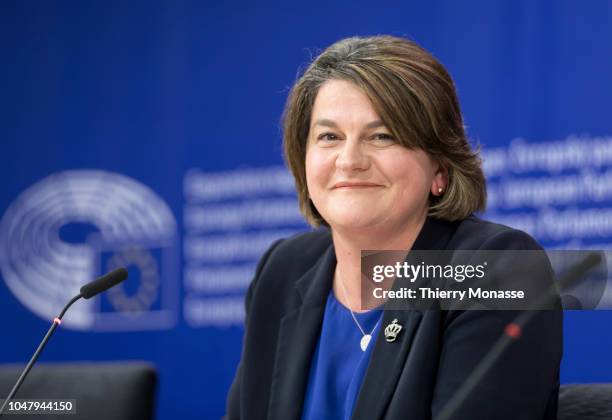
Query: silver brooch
point(392, 330)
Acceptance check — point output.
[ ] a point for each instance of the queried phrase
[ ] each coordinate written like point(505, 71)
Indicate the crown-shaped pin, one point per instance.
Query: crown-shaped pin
point(392, 330)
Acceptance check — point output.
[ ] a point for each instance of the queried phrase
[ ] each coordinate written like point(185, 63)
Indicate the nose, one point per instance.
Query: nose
point(352, 157)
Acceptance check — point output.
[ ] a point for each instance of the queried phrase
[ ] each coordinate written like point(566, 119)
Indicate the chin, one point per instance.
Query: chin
point(350, 220)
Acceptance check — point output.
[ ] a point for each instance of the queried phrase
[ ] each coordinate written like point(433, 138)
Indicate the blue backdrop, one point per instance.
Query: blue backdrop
point(147, 134)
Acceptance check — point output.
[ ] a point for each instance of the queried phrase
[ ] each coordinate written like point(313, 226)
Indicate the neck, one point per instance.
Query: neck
point(348, 245)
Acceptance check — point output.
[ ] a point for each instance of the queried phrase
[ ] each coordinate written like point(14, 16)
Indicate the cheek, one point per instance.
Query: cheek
point(412, 176)
point(310, 170)
point(317, 171)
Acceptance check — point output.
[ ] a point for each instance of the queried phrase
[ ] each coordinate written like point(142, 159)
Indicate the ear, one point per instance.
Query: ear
point(439, 183)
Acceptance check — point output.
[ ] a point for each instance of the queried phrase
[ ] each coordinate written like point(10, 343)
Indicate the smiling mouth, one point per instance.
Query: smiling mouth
point(343, 186)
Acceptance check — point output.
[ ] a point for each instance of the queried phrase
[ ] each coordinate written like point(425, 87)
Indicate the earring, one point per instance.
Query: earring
point(440, 189)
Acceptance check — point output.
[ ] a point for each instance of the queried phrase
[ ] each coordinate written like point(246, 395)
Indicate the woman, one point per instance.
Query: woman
point(374, 137)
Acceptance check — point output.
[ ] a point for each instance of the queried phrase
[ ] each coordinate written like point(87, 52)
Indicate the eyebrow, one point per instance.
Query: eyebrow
point(330, 123)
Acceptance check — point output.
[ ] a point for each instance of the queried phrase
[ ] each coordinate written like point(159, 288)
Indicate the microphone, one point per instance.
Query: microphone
point(104, 283)
point(88, 291)
point(513, 332)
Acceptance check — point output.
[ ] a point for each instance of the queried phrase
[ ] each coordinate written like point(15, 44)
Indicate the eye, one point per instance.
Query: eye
point(385, 138)
point(327, 137)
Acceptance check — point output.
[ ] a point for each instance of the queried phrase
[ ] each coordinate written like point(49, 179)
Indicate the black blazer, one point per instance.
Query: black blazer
point(416, 375)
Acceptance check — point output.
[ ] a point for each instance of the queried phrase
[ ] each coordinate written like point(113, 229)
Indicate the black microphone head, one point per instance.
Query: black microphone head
point(580, 270)
point(105, 282)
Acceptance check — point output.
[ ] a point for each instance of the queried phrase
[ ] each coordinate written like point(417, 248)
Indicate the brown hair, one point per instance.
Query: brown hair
point(415, 98)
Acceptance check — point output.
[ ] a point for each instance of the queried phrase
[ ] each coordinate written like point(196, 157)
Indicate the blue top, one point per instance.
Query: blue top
point(338, 364)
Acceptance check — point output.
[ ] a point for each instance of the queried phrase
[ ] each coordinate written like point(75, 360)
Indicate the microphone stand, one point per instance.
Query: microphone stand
point(88, 291)
point(56, 322)
point(512, 332)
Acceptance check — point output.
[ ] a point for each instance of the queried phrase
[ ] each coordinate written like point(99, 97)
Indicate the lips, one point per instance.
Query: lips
point(356, 184)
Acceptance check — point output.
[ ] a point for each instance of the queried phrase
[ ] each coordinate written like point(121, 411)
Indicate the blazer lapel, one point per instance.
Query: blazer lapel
point(385, 365)
point(388, 359)
point(297, 340)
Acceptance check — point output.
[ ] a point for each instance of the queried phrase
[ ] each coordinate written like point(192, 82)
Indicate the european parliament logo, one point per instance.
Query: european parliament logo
point(73, 226)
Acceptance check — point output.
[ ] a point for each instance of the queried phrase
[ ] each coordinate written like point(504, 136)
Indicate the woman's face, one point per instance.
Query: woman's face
point(357, 174)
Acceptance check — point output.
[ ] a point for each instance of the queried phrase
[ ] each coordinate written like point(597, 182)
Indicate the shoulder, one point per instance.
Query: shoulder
point(286, 260)
point(476, 233)
point(303, 248)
